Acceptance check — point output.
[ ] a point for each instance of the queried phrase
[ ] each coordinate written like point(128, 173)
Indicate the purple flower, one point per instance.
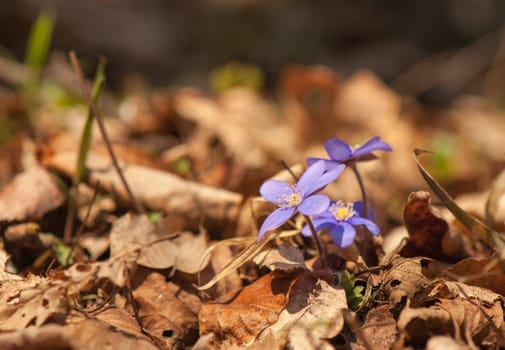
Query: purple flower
point(340, 152)
point(299, 197)
point(341, 219)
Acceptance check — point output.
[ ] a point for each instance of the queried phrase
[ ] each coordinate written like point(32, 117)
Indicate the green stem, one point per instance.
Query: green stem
point(317, 241)
point(361, 187)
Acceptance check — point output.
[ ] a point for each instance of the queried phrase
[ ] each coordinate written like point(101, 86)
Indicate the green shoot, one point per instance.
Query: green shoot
point(37, 49)
point(352, 292)
point(88, 127)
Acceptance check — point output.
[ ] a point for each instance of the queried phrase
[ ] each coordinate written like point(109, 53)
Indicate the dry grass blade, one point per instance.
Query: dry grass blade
point(481, 231)
point(243, 257)
point(497, 191)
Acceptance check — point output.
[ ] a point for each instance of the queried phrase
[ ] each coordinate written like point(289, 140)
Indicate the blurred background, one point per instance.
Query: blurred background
point(433, 50)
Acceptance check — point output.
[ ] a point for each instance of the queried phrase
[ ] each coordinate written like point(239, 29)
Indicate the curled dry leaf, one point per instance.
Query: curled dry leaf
point(31, 195)
point(168, 311)
point(157, 190)
point(405, 278)
point(426, 230)
point(467, 320)
point(486, 273)
point(379, 329)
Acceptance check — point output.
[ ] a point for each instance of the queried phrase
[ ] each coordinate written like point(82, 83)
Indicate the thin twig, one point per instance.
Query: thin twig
point(99, 119)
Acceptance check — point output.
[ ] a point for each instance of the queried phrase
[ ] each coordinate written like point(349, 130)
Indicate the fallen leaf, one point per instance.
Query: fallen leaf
point(426, 230)
point(156, 248)
point(495, 205)
point(486, 273)
point(284, 258)
point(312, 315)
point(31, 301)
point(379, 329)
point(444, 342)
point(30, 196)
point(112, 328)
point(417, 325)
point(250, 128)
point(168, 311)
point(256, 307)
point(50, 336)
point(404, 279)
point(157, 190)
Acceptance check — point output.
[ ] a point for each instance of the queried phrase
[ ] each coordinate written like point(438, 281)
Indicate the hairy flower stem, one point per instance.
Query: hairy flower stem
point(361, 187)
point(317, 241)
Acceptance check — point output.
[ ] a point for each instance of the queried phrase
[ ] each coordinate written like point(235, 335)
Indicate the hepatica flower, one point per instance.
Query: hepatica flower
point(300, 197)
point(341, 153)
point(341, 219)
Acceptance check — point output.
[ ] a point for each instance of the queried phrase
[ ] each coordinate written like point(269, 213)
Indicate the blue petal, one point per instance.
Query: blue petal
point(343, 234)
point(310, 175)
point(370, 225)
point(337, 149)
point(360, 209)
point(374, 144)
point(276, 219)
point(312, 160)
point(332, 172)
point(272, 190)
point(314, 204)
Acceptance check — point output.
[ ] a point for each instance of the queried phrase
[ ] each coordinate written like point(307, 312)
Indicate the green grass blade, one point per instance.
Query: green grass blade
point(88, 127)
point(480, 230)
point(39, 40)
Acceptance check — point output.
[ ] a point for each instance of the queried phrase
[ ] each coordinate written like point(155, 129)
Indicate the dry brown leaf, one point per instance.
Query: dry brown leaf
point(46, 337)
point(379, 329)
point(256, 307)
point(111, 328)
point(249, 127)
point(426, 230)
point(417, 325)
point(31, 301)
point(283, 258)
point(486, 273)
point(168, 311)
point(220, 256)
point(156, 248)
point(4, 261)
point(309, 95)
point(157, 190)
point(31, 195)
point(443, 342)
point(404, 279)
point(312, 315)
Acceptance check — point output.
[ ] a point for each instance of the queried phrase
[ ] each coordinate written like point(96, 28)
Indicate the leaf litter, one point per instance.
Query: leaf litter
point(191, 273)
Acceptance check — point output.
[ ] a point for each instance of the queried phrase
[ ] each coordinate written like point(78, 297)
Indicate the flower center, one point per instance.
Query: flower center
point(294, 199)
point(342, 211)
